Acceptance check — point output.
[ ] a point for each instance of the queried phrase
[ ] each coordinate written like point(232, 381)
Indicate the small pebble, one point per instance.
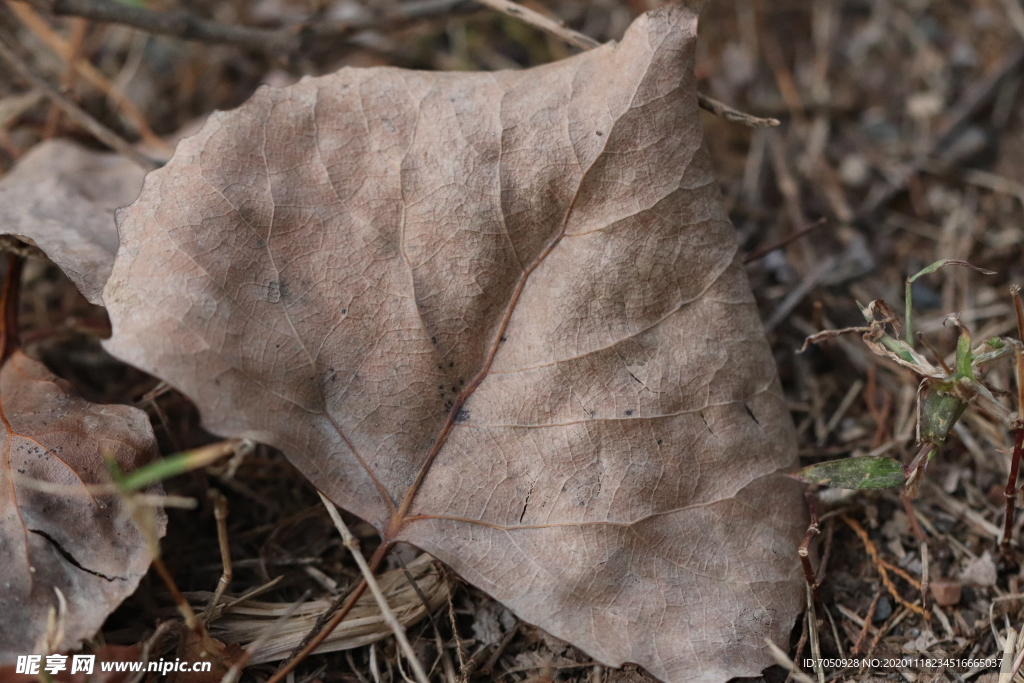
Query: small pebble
point(883, 610)
point(946, 592)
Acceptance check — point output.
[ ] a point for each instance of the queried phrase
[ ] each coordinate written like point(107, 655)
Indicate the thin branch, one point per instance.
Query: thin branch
point(558, 29)
point(180, 24)
point(734, 115)
point(1018, 428)
point(188, 26)
point(235, 671)
point(10, 337)
point(66, 51)
point(553, 26)
point(764, 251)
point(385, 610)
point(73, 111)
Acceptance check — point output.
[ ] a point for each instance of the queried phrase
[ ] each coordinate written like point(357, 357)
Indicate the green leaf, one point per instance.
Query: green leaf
point(947, 262)
point(172, 465)
point(964, 357)
point(868, 472)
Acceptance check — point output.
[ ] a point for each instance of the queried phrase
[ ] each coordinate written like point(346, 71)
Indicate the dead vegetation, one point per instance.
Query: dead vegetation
point(901, 127)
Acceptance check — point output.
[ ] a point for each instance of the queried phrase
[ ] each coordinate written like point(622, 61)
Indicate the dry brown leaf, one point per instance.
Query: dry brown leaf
point(499, 316)
point(86, 546)
point(61, 197)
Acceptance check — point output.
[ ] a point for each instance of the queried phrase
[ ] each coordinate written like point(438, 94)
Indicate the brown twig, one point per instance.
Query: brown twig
point(935, 353)
point(879, 414)
point(192, 622)
point(389, 617)
point(488, 667)
point(10, 338)
point(867, 624)
point(558, 29)
point(220, 514)
point(555, 27)
point(68, 52)
point(872, 551)
point(79, 30)
point(804, 550)
point(187, 26)
point(235, 672)
point(735, 115)
point(320, 636)
point(180, 24)
point(1018, 428)
point(446, 660)
point(900, 572)
point(73, 111)
point(763, 251)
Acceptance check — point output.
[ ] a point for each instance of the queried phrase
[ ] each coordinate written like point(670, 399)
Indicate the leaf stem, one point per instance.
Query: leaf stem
point(338, 617)
point(352, 543)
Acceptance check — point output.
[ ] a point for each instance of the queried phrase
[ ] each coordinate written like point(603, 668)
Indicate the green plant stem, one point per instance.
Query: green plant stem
point(909, 333)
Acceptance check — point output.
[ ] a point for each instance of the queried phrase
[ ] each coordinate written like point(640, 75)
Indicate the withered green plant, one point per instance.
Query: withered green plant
point(943, 395)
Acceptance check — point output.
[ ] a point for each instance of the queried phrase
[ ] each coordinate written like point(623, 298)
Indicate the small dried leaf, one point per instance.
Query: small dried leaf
point(85, 545)
point(61, 197)
point(868, 472)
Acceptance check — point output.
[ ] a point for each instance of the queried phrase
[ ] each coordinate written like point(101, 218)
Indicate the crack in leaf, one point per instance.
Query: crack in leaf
point(71, 558)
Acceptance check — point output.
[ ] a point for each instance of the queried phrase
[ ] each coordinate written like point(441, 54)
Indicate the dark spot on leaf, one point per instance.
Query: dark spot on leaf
point(600, 132)
point(433, 340)
point(344, 311)
point(659, 442)
point(462, 415)
point(451, 365)
point(273, 294)
point(706, 423)
point(503, 338)
point(629, 412)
